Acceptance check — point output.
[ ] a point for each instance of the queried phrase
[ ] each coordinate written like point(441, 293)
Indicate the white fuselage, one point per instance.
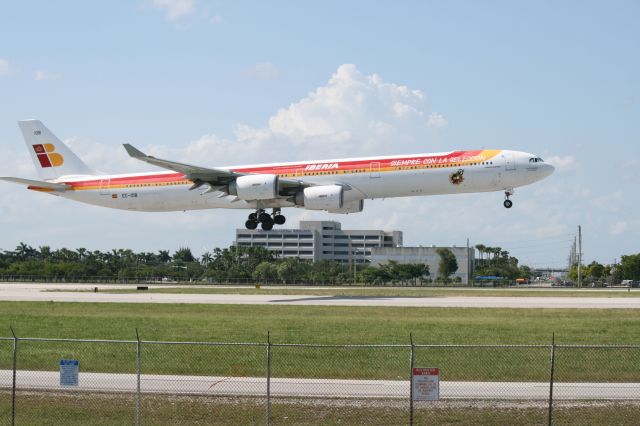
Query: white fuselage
point(366, 178)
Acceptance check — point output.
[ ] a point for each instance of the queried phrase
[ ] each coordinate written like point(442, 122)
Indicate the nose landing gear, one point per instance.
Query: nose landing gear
point(507, 202)
point(265, 219)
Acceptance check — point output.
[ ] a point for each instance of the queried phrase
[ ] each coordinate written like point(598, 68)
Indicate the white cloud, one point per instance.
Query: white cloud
point(354, 114)
point(632, 164)
point(44, 75)
point(264, 70)
point(175, 9)
point(618, 228)
point(563, 164)
point(215, 19)
point(437, 120)
point(5, 67)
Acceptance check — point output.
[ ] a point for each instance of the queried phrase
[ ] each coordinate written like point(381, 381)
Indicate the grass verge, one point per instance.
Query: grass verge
point(103, 409)
point(326, 325)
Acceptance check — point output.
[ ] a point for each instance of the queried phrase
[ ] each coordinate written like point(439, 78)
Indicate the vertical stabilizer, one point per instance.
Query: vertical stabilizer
point(50, 155)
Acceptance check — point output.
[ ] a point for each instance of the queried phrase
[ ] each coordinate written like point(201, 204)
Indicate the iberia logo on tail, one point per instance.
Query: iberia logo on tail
point(47, 155)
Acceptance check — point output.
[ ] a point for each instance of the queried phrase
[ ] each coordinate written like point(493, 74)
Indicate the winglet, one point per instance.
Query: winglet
point(133, 151)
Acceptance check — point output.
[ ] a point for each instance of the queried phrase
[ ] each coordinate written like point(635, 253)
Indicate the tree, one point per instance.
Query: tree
point(595, 270)
point(481, 249)
point(448, 263)
point(291, 269)
point(164, 256)
point(24, 251)
point(183, 254)
point(206, 258)
point(265, 271)
point(416, 270)
point(630, 267)
point(45, 252)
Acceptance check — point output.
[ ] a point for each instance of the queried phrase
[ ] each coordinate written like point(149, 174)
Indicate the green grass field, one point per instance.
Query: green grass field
point(97, 409)
point(325, 325)
point(319, 324)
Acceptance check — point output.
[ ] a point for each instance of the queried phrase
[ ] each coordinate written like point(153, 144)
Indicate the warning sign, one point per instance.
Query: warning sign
point(69, 372)
point(426, 384)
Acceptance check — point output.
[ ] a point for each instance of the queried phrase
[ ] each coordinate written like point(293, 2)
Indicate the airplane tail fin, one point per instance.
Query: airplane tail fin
point(50, 155)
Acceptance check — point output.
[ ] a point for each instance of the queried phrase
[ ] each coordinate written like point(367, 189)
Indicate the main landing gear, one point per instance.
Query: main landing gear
point(508, 203)
point(265, 219)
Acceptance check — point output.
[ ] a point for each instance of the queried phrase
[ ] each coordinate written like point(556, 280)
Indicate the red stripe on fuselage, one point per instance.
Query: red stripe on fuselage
point(363, 164)
point(354, 165)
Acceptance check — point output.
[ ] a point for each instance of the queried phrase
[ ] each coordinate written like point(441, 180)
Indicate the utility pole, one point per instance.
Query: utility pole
point(471, 263)
point(579, 256)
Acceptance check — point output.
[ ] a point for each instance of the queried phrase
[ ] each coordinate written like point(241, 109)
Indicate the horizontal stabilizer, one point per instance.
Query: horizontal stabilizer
point(38, 185)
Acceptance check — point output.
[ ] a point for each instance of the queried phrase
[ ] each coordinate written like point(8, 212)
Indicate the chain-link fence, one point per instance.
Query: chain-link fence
point(69, 381)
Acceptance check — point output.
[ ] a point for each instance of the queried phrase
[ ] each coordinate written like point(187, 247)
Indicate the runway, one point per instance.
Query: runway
point(316, 388)
point(42, 292)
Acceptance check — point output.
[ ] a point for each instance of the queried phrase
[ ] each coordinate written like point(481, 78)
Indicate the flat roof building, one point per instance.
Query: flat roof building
point(428, 256)
point(320, 240)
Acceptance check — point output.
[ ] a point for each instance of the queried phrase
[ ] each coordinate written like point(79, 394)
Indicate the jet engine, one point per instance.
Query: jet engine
point(255, 187)
point(325, 197)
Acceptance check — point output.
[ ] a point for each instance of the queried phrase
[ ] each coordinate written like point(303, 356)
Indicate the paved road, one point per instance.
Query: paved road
point(38, 292)
point(318, 388)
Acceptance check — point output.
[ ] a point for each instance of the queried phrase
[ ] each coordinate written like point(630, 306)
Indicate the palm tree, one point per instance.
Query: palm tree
point(206, 258)
point(496, 252)
point(164, 256)
point(481, 249)
point(24, 251)
point(82, 252)
point(45, 252)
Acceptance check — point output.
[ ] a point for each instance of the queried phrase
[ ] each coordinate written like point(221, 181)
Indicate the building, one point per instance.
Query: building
point(320, 240)
point(428, 256)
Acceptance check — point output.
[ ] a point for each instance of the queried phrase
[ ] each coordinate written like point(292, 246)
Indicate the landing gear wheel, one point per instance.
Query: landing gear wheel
point(508, 203)
point(267, 226)
point(279, 219)
point(264, 217)
point(251, 224)
point(253, 217)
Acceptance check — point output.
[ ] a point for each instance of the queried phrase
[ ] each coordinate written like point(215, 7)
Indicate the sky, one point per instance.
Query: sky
point(226, 83)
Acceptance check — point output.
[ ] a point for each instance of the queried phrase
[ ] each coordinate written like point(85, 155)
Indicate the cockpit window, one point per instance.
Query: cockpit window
point(536, 160)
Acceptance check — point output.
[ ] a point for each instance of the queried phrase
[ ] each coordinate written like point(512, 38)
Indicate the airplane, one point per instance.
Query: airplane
point(335, 186)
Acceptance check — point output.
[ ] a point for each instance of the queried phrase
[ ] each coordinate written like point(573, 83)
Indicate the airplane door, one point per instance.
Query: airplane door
point(299, 172)
point(104, 187)
point(510, 162)
point(374, 170)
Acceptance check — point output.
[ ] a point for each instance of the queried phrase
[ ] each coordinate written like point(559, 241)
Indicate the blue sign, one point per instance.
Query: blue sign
point(69, 372)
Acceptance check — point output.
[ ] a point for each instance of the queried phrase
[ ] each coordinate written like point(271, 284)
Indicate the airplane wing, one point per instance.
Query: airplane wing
point(213, 176)
point(38, 184)
point(217, 178)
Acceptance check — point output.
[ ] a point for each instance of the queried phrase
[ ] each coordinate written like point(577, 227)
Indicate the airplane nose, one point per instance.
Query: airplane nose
point(548, 170)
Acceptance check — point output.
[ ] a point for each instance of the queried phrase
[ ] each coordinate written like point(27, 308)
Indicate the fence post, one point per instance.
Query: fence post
point(13, 387)
point(267, 414)
point(553, 361)
point(138, 396)
point(411, 380)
